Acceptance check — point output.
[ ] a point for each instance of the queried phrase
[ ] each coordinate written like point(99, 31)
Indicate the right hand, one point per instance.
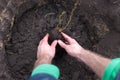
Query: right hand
point(71, 46)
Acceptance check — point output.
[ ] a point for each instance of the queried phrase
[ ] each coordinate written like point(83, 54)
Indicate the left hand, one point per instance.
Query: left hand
point(44, 49)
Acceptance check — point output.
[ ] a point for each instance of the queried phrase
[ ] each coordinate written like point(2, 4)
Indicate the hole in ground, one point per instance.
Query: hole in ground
point(31, 28)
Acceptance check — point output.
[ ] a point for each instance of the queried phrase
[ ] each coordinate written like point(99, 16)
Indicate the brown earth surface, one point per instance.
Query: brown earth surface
point(95, 25)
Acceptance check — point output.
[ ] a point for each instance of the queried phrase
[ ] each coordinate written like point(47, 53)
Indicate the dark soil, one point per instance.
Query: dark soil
point(90, 26)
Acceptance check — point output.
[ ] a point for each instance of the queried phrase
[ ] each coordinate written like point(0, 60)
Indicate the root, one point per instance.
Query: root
point(59, 28)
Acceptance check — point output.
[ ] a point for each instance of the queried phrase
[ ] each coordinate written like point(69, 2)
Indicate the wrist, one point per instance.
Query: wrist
point(82, 51)
point(43, 59)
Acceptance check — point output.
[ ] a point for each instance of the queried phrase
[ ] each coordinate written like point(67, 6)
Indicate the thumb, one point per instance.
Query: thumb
point(62, 44)
point(54, 43)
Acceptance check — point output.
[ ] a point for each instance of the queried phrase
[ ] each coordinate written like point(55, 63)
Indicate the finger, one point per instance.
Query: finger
point(54, 43)
point(45, 39)
point(62, 44)
point(67, 38)
point(40, 42)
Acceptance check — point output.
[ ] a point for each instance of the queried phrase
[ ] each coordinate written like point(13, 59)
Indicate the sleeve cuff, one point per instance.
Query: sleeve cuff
point(47, 69)
point(111, 70)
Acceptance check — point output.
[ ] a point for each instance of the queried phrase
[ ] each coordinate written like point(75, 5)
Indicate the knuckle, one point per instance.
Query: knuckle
point(66, 47)
point(73, 40)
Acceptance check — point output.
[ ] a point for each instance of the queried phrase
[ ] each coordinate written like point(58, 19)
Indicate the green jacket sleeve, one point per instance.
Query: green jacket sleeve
point(111, 70)
point(47, 69)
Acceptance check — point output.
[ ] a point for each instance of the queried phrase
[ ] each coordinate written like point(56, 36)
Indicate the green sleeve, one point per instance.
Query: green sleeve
point(47, 69)
point(111, 70)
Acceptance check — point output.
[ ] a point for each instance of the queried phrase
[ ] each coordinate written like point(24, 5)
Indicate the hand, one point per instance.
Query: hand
point(44, 49)
point(71, 46)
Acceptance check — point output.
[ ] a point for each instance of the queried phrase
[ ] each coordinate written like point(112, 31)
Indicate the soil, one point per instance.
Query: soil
point(90, 26)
